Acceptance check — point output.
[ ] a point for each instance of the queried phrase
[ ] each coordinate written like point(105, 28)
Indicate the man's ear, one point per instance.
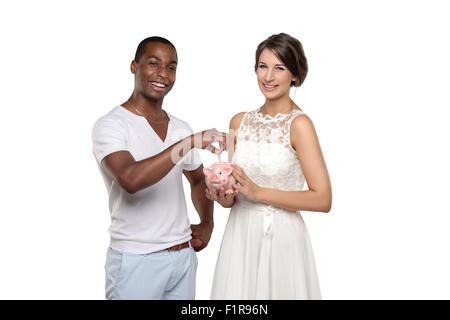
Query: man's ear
point(133, 67)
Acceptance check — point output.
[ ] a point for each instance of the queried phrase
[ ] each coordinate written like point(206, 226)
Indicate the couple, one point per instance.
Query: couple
point(142, 152)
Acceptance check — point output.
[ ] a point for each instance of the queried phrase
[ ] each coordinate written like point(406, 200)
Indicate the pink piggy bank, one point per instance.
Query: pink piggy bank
point(219, 175)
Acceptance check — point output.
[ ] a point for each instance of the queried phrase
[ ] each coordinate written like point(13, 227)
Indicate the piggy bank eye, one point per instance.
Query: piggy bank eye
point(220, 172)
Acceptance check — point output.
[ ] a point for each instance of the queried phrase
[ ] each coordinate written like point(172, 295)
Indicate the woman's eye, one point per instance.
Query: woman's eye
point(280, 68)
point(262, 66)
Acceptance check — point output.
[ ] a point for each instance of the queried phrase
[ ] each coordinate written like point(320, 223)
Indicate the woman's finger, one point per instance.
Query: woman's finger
point(221, 194)
point(214, 194)
point(230, 196)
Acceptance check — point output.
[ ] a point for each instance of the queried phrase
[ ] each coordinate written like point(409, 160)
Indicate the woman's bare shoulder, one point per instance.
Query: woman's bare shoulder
point(301, 122)
point(236, 120)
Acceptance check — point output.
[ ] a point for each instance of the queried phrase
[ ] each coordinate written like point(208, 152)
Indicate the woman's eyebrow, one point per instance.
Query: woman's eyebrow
point(278, 64)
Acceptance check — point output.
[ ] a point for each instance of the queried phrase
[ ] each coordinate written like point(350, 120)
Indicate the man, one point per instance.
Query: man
point(141, 151)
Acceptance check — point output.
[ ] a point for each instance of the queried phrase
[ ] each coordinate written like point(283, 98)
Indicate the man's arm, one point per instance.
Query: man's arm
point(204, 207)
point(135, 175)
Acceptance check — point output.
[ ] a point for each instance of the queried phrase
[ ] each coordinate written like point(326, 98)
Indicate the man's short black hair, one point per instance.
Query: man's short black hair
point(141, 47)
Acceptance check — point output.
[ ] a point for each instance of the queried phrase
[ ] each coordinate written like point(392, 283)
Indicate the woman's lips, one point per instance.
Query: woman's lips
point(268, 87)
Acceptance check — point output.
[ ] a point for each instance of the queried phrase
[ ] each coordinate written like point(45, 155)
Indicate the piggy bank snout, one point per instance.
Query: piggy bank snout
point(212, 178)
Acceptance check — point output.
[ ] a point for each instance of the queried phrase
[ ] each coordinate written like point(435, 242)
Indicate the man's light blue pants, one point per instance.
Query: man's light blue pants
point(162, 275)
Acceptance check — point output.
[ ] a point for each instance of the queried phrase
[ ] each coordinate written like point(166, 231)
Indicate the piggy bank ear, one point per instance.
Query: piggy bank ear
point(207, 171)
point(226, 171)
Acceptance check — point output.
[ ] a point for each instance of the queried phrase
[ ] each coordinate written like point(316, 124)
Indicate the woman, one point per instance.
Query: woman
point(266, 252)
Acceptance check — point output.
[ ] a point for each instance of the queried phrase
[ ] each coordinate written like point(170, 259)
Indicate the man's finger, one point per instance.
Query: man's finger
point(196, 242)
point(211, 148)
point(221, 148)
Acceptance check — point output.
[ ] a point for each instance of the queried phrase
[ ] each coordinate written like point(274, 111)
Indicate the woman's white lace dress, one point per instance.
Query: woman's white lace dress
point(266, 251)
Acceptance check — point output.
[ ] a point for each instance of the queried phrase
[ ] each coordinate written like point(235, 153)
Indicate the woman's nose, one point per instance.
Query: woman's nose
point(268, 75)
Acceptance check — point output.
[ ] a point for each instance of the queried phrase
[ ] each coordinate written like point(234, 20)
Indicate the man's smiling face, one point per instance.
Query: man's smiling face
point(156, 70)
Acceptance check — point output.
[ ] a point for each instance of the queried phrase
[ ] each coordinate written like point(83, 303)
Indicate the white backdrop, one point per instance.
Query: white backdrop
point(376, 92)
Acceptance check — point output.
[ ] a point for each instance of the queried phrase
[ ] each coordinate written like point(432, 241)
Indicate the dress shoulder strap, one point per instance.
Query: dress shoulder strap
point(287, 137)
point(294, 114)
point(245, 128)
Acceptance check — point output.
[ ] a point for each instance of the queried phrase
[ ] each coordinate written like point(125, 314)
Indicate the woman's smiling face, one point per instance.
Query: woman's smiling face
point(274, 78)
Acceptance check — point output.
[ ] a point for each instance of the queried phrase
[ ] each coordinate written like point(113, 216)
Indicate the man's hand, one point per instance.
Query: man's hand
point(205, 139)
point(201, 234)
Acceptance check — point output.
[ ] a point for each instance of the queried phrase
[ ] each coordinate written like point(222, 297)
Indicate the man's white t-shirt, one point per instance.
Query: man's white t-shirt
point(153, 218)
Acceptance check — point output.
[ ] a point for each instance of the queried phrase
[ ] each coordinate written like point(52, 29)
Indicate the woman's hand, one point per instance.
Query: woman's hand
point(225, 200)
point(246, 186)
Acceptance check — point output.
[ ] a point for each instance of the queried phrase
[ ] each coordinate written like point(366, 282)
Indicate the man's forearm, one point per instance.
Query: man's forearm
point(204, 206)
point(147, 172)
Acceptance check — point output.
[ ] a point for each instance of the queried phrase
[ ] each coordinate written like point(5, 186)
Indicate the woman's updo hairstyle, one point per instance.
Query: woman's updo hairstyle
point(290, 51)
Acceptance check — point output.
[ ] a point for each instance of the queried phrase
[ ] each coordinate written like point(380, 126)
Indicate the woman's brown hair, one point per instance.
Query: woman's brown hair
point(290, 51)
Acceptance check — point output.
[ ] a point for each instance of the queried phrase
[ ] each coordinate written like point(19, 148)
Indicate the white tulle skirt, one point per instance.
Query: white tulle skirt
point(266, 253)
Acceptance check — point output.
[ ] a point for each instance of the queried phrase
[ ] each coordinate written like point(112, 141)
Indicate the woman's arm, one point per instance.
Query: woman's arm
point(318, 197)
point(235, 124)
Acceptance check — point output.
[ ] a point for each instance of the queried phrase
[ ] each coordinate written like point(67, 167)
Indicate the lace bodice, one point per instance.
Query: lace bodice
point(264, 152)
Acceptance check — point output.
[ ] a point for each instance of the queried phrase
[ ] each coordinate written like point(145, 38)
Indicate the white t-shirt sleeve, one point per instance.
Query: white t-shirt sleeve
point(108, 136)
point(192, 160)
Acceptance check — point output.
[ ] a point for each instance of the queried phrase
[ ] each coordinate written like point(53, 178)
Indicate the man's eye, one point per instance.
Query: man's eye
point(172, 68)
point(153, 63)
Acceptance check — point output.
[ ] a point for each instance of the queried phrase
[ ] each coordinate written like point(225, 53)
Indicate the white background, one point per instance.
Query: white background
point(377, 92)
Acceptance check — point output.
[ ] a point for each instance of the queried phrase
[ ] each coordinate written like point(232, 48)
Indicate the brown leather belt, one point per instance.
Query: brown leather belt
point(180, 246)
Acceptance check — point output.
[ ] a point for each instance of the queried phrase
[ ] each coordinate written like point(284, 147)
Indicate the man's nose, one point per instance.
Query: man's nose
point(163, 72)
